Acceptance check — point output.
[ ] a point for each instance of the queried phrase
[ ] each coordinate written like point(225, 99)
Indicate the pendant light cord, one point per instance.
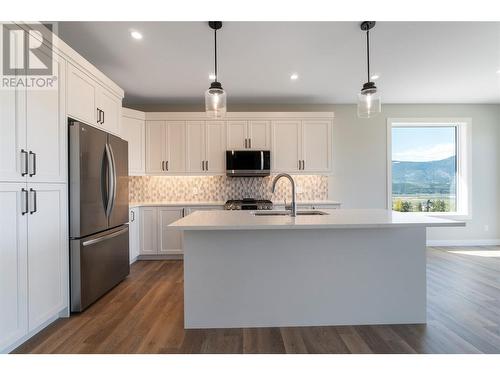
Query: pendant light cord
point(368, 52)
point(215, 39)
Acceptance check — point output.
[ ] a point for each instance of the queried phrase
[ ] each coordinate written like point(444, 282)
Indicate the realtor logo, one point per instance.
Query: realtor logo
point(24, 52)
point(27, 58)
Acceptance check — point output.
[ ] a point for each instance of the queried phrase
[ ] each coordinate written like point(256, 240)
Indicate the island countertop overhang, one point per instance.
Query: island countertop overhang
point(336, 219)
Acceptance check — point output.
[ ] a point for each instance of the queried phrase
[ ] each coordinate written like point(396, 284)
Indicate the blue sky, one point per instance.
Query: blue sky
point(422, 143)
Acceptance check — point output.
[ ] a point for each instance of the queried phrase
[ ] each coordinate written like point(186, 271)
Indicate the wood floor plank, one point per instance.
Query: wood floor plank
point(144, 314)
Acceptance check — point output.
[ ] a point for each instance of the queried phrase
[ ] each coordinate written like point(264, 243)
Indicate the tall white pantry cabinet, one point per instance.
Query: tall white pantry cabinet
point(34, 253)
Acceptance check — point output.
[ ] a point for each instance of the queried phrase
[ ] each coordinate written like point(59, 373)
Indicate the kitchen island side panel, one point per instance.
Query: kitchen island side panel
point(275, 278)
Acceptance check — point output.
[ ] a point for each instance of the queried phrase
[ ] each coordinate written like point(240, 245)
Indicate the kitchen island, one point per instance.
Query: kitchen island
point(341, 267)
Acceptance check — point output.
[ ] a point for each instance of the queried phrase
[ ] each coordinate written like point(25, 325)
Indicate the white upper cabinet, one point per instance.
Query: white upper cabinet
point(155, 147)
point(316, 145)
point(206, 146)
point(251, 135)
point(259, 135)
point(237, 135)
point(195, 135)
point(81, 96)
point(165, 147)
point(92, 103)
point(215, 147)
point(13, 150)
point(33, 134)
point(108, 113)
point(133, 131)
point(189, 144)
point(302, 146)
point(175, 160)
point(286, 145)
point(13, 263)
point(47, 129)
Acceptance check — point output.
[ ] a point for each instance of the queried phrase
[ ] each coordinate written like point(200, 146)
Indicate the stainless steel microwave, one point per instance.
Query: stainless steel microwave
point(248, 163)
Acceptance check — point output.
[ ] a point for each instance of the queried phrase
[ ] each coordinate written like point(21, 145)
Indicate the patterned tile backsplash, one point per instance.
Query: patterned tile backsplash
point(222, 188)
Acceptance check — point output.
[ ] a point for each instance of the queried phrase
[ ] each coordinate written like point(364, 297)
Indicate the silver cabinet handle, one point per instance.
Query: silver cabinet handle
point(206, 165)
point(33, 191)
point(303, 164)
point(25, 193)
point(104, 238)
point(203, 165)
point(163, 165)
point(132, 216)
point(25, 164)
point(249, 142)
point(246, 142)
point(33, 164)
point(299, 165)
point(167, 165)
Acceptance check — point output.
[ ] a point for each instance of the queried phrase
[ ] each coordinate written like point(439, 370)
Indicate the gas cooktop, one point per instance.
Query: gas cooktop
point(248, 204)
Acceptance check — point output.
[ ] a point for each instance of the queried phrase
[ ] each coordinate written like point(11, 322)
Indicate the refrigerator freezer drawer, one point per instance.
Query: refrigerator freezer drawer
point(98, 263)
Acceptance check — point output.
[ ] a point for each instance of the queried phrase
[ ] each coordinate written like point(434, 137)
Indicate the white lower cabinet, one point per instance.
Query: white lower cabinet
point(33, 258)
point(155, 236)
point(148, 230)
point(134, 234)
point(170, 240)
point(13, 264)
point(47, 252)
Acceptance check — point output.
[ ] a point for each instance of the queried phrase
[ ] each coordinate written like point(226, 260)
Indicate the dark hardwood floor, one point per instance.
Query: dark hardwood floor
point(144, 314)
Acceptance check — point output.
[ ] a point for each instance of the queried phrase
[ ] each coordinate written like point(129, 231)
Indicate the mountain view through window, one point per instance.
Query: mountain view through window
point(424, 168)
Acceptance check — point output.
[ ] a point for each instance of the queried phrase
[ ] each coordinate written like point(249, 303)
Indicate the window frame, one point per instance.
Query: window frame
point(464, 161)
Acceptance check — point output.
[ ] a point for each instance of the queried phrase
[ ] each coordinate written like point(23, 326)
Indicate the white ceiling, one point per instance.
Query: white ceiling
point(418, 62)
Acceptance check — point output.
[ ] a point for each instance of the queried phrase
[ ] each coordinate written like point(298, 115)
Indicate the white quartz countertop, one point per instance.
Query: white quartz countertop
point(219, 203)
point(336, 219)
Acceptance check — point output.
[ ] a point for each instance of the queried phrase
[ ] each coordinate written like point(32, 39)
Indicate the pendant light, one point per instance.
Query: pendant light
point(215, 96)
point(369, 104)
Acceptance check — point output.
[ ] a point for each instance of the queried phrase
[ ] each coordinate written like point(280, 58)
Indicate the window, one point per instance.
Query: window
point(429, 166)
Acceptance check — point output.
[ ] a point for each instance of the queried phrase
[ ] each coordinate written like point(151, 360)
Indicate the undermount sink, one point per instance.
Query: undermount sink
point(287, 213)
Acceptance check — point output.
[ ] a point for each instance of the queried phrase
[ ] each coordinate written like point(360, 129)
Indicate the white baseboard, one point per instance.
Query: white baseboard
point(160, 257)
point(478, 242)
point(33, 332)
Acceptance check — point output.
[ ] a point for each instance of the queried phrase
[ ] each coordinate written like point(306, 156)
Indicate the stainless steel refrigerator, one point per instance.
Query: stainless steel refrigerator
point(98, 194)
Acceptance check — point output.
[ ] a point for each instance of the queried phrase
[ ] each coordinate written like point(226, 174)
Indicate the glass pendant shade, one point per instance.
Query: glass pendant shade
point(215, 102)
point(369, 104)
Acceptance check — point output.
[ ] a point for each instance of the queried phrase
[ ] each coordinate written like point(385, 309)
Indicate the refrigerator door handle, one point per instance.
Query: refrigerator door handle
point(113, 178)
point(110, 185)
point(104, 238)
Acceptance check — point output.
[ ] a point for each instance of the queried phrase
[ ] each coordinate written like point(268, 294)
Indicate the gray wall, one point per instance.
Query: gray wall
point(360, 163)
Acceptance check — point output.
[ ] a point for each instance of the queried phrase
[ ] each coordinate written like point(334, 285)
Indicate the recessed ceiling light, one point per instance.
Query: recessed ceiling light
point(136, 35)
point(294, 76)
point(375, 76)
point(211, 76)
point(498, 71)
